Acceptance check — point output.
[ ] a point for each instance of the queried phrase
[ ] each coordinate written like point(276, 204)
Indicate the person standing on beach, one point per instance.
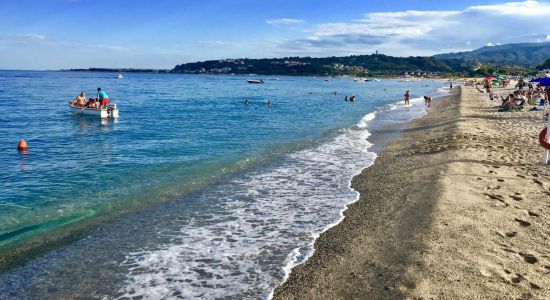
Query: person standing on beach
point(406, 97)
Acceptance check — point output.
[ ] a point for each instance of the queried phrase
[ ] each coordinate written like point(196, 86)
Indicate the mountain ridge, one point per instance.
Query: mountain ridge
point(525, 54)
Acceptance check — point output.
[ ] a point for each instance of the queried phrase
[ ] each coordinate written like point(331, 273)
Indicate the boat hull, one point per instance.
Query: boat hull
point(102, 113)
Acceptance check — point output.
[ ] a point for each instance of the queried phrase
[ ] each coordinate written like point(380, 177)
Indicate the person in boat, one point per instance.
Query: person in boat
point(80, 100)
point(102, 97)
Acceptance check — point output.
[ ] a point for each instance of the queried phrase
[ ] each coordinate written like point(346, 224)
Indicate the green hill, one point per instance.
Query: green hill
point(353, 65)
point(525, 54)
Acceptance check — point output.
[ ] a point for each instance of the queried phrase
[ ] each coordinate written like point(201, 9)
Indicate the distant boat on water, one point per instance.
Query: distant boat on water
point(255, 81)
point(119, 76)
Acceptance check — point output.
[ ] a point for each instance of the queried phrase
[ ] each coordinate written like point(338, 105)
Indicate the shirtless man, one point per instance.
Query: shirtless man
point(80, 100)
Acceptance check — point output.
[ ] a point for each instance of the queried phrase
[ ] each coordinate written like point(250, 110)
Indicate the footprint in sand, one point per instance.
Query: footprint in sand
point(496, 197)
point(529, 258)
point(511, 234)
point(516, 197)
point(522, 222)
point(534, 286)
point(533, 214)
point(517, 279)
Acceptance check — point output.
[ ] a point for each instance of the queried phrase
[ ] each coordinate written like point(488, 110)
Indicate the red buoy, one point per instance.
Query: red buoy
point(22, 145)
point(542, 139)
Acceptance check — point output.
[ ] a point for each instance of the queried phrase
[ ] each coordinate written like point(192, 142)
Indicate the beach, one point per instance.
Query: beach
point(458, 207)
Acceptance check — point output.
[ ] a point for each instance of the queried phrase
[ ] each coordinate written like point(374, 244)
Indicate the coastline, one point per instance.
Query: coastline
point(420, 202)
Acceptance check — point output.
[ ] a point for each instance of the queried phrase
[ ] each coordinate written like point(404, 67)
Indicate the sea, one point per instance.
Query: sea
point(190, 193)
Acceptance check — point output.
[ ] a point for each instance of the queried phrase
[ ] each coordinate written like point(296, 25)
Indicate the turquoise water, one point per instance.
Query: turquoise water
point(230, 195)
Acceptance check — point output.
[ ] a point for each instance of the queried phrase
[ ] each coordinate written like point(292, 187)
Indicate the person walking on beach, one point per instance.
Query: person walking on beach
point(406, 97)
point(102, 97)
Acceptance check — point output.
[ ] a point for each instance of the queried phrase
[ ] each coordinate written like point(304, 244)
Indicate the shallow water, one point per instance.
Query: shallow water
point(236, 193)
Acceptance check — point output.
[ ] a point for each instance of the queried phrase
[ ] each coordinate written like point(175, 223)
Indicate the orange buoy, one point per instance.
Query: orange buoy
point(22, 145)
point(542, 139)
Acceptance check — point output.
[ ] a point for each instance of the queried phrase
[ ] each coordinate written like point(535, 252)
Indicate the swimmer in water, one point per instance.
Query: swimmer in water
point(245, 101)
point(269, 103)
point(406, 97)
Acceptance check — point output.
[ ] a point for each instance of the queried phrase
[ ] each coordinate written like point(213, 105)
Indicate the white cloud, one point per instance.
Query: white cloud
point(415, 32)
point(34, 36)
point(284, 21)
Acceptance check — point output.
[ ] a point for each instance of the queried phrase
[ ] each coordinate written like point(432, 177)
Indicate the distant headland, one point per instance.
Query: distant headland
point(528, 57)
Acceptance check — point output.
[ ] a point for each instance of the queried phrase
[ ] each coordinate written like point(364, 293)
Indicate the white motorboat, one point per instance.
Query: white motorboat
point(111, 111)
point(119, 76)
point(254, 81)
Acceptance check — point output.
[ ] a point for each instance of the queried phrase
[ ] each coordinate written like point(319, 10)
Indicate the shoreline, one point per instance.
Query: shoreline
point(392, 240)
point(379, 137)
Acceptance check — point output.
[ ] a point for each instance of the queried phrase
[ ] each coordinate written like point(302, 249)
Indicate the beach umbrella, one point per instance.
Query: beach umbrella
point(542, 81)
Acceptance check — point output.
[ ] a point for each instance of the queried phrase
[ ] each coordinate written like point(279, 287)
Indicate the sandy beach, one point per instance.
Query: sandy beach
point(458, 207)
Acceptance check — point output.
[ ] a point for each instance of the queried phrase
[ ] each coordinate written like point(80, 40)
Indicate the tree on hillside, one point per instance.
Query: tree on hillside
point(545, 65)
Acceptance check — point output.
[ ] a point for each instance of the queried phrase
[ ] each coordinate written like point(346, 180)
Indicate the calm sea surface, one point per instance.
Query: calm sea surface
point(209, 197)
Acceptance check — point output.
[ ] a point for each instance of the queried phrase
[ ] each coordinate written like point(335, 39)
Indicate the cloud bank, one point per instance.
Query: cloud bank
point(413, 32)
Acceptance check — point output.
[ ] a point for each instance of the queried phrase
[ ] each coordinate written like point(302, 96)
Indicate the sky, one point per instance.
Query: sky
point(62, 34)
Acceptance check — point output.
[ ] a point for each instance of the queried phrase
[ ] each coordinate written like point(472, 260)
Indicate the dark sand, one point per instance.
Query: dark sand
point(425, 227)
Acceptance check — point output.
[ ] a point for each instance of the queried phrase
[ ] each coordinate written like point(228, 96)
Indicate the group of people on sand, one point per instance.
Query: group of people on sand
point(101, 100)
point(533, 95)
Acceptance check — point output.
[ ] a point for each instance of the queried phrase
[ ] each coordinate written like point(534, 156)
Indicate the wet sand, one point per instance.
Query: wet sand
point(458, 207)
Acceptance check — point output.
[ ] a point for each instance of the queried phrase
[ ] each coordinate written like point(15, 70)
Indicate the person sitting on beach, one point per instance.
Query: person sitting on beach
point(406, 97)
point(80, 100)
point(427, 101)
point(508, 103)
point(102, 97)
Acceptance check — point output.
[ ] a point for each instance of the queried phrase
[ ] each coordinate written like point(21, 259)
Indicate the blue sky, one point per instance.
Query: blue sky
point(54, 34)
